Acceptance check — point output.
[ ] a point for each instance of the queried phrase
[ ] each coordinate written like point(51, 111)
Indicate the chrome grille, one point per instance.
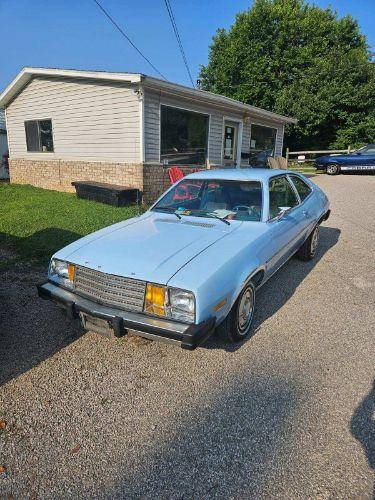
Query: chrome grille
point(110, 290)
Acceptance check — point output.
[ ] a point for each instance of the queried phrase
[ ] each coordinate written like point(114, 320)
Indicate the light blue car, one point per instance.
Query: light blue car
point(192, 263)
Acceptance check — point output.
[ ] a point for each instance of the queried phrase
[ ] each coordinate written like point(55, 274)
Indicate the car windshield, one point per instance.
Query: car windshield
point(224, 199)
point(369, 149)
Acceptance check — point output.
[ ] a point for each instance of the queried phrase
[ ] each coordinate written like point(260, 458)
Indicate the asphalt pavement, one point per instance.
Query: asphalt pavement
point(287, 414)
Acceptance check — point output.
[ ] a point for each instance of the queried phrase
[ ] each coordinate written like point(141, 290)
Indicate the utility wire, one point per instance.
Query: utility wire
point(127, 38)
point(176, 32)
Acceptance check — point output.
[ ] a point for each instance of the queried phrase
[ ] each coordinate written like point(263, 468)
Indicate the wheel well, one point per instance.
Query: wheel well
point(324, 217)
point(258, 278)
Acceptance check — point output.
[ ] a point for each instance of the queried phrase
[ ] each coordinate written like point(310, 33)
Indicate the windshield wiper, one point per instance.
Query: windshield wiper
point(219, 218)
point(167, 210)
point(203, 213)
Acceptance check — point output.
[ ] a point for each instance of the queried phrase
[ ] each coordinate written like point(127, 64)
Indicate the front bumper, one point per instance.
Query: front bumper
point(188, 336)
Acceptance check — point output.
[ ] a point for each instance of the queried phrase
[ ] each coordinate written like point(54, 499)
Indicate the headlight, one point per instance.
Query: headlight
point(182, 305)
point(170, 302)
point(61, 272)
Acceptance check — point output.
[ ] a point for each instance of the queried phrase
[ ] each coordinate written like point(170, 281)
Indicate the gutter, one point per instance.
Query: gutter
point(214, 99)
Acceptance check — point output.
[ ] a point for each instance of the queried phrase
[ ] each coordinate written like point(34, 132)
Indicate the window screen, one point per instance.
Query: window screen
point(183, 136)
point(32, 136)
point(39, 135)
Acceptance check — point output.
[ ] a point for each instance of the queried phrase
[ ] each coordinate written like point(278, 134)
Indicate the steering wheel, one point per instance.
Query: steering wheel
point(241, 208)
point(251, 210)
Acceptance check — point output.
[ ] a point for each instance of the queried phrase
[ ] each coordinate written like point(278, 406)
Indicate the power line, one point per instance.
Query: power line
point(127, 38)
point(175, 29)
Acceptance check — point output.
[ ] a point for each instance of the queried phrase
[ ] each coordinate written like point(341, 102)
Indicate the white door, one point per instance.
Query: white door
point(230, 144)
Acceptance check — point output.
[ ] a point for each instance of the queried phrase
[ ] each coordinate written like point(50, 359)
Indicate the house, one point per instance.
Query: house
point(3, 147)
point(123, 128)
point(3, 135)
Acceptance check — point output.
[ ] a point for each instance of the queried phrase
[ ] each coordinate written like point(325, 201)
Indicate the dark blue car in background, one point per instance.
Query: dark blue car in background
point(362, 159)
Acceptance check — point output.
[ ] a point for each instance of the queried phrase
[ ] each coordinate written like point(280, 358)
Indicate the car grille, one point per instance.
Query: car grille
point(110, 290)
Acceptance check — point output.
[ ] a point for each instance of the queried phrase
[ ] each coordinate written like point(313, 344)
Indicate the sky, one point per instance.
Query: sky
point(75, 34)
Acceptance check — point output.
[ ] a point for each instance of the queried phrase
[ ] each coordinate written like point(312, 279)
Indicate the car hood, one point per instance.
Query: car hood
point(152, 247)
point(330, 158)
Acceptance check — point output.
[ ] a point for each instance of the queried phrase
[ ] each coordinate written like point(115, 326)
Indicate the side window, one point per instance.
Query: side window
point(39, 136)
point(281, 195)
point(302, 188)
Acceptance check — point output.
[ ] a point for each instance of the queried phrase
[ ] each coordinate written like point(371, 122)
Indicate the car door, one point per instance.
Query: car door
point(286, 232)
point(365, 158)
point(308, 211)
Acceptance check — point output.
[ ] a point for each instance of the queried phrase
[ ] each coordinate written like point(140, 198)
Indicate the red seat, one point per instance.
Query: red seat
point(175, 174)
point(186, 191)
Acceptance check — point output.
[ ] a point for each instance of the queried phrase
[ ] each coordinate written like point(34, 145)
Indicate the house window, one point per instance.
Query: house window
point(184, 136)
point(39, 136)
point(262, 145)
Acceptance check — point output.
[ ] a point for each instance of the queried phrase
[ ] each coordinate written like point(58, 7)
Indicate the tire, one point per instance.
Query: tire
point(237, 326)
point(308, 250)
point(333, 169)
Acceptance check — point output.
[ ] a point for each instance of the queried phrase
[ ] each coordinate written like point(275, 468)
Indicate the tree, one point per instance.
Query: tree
point(303, 61)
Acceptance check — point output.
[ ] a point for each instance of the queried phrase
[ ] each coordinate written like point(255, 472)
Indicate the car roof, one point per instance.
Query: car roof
point(238, 174)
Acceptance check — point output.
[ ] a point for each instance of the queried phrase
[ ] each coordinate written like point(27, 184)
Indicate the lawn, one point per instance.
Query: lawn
point(36, 222)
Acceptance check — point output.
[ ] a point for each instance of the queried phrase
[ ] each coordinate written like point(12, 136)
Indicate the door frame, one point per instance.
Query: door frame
point(239, 122)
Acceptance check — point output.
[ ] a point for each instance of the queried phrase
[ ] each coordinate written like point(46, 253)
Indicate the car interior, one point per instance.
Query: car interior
point(242, 199)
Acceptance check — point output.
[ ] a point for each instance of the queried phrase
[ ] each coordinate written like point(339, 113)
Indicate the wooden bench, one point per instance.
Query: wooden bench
point(111, 194)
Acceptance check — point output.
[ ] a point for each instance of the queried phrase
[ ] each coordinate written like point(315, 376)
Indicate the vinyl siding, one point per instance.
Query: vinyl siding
point(152, 102)
point(91, 121)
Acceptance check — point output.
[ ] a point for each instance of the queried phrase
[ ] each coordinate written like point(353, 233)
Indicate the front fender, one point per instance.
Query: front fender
point(217, 275)
point(216, 296)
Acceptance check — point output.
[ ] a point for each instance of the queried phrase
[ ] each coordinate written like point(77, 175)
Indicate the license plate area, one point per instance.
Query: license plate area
point(97, 325)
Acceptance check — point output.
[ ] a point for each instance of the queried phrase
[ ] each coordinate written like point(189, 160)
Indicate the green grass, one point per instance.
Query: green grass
point(303, 168)
point(36, 222)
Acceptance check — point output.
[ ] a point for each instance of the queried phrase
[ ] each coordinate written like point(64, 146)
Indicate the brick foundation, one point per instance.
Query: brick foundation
point(151, 179)
point(59, 174)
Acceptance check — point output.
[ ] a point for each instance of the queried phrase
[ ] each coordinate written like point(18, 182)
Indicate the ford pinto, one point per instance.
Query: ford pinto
point(190, 266)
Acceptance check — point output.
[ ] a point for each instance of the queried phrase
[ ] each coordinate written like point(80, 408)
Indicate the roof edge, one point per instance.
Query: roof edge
point(203, 95)
point(27, 73)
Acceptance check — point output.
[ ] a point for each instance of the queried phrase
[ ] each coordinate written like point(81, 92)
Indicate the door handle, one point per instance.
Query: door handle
point(305, 213)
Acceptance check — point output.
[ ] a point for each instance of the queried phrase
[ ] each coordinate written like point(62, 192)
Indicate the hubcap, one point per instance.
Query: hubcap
point(314, 241)
point(245, 310)
point(332, 169)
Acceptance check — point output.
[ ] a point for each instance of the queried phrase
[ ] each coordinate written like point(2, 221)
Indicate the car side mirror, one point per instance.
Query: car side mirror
point(283, 211)
point(358, 154)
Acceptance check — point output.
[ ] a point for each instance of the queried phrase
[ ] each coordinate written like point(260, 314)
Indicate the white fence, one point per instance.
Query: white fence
point(301, 155)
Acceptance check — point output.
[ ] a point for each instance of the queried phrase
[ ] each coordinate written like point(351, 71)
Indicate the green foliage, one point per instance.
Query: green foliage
point(303, 61)
point(36, 222)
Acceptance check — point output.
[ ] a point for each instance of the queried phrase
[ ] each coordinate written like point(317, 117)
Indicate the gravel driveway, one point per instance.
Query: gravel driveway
point(287, 414)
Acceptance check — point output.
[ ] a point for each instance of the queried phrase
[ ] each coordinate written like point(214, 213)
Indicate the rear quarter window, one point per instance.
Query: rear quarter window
point(303, 189)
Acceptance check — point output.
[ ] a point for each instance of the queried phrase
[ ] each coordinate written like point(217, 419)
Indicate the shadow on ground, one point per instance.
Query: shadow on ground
point(31, 329)
point(279, 289)
point(224, 449)
point(40, 245)
point(362, 426)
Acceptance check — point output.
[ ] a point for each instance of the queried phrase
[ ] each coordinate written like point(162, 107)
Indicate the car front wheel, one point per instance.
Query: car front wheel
point(237, 325)
point(333, 169)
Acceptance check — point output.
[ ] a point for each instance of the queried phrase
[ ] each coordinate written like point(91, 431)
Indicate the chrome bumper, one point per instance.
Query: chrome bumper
point(188, 336)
